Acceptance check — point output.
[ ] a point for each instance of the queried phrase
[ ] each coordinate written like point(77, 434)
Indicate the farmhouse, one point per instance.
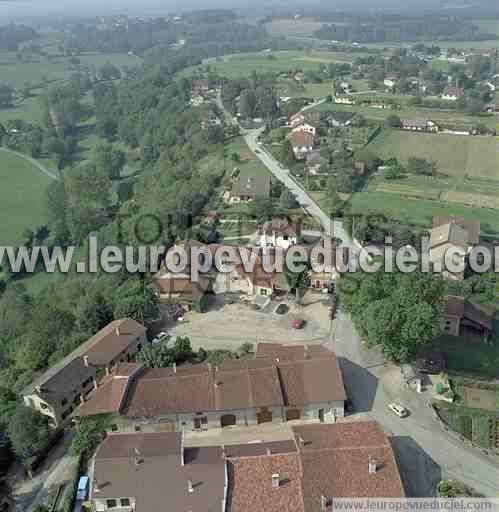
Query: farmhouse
point(302, 143)
point(64, 386)
point(248, 188)
point(450, 234)
point(302, 474)
point(419, 125)
point(279, 232)
point(452, 93)
point(236, 392)
point(460, 316)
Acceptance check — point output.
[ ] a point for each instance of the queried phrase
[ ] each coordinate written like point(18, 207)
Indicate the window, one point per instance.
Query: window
point(125, 502)
point(137, 428)
point(114, 427)
point(285, 237)
point(112, 503)
point(263, 291)
point(64, 401)
point(43, 406)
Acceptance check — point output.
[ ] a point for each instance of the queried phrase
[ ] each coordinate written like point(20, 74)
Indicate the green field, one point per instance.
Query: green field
point(419, 211)
point(241, 65)
point(22, 197)
point(17, 73)
point(449, 117)
point(455, 155)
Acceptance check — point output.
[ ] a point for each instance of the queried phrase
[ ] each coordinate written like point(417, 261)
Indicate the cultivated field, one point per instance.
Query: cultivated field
point(241, 65)
point(22, 197)
point(419, 211)
point(470, 192)
point(455, 155)
point(444, 117)
point(16, 73)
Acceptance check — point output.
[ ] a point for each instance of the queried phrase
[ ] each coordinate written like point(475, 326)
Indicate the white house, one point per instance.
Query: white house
point(302, 143)
point(304, 127)
point(278, 232)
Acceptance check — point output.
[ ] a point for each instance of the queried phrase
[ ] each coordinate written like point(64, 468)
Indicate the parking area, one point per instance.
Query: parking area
point(227, 326)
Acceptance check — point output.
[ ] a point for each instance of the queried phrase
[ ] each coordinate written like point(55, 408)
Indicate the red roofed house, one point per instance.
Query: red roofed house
point(238, 392)
point(452, 93)
point(460, 315)
point(302, 143)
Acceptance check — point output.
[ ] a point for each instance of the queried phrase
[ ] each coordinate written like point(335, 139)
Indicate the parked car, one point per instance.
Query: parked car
point(82, 491)
point(398, 409)
point(298, 323)
point(159, 338)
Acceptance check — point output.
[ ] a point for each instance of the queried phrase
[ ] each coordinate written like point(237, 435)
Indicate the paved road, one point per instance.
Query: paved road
point(427, 452)
point(308, 204)
point(32, 161)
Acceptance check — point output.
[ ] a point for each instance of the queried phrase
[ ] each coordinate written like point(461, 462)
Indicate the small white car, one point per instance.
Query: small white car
point(398, 409)
point(159, 338)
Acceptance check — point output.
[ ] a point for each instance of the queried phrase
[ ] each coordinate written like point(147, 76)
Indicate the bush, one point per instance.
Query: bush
point(68, 500)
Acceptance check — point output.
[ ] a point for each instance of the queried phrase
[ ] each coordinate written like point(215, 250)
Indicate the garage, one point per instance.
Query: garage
point(264, 417)
point(293, 414)
point(227, 420)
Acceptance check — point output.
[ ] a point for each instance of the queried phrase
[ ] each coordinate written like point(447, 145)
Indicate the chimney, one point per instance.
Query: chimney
point(190, 487)
point(174, 367)
point(306, 351)
point(276, 480)
point(269, 452)
point(323, 503)
point(372, 466)
point(301, 440)
point(276, 359)
point(85, 361)
point(117, 331)
point(95, 485)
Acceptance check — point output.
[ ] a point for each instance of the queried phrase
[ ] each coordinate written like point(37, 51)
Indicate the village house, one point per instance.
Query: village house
point(248, 188)
point(201, 87)
point(344, 99)
point(390, 81)
point(340, 119)
point(304, 127)
point(315, 162)
point(63, 387)
point(279, 232)
point(420, 125)
point(302, 144)
point(452, 93)
point(235, 392)
point(135, 471)
point(296, 120)
point(460, 316)
point(449, 232)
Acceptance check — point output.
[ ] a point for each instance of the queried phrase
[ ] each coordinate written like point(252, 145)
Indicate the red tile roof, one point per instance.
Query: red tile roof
point(471, 226)
point(238, 384)
point(453, 306)
point(335, 462)
point(250, 484)
point(301, 139)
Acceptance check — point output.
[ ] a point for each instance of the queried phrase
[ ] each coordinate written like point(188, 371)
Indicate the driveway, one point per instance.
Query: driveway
point(426, 452)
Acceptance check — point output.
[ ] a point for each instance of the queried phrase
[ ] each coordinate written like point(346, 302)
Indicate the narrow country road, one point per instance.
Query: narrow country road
point(33, 162)
point(331, 228)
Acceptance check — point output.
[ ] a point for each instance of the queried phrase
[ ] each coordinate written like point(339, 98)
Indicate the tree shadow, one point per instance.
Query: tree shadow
point(360, 385)
point(420, 473)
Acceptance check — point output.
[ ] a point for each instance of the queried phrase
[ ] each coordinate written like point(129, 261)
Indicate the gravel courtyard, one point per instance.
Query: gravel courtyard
point(227, 326)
